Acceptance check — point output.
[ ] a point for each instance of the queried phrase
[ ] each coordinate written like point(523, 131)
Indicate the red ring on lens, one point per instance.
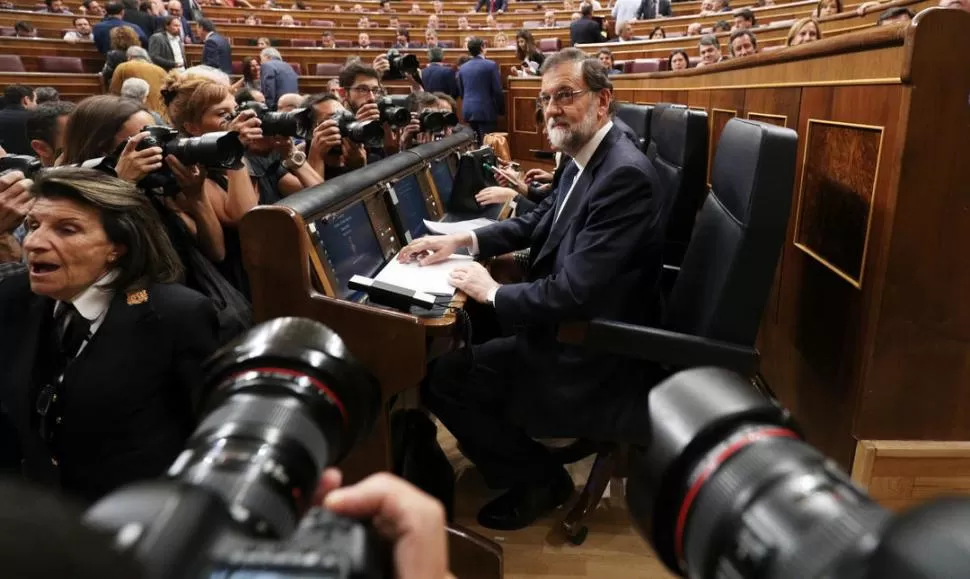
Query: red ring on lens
point(729, 451)
point(320, 386)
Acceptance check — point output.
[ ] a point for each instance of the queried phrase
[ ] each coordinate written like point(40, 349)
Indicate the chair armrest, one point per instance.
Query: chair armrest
point(660, 346)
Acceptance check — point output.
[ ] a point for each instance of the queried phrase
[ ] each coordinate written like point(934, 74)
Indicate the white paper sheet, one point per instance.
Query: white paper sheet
point(443, 228)
point(432, 279)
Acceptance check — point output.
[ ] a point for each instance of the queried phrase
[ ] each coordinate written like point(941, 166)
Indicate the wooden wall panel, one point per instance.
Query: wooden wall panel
point(901, 474)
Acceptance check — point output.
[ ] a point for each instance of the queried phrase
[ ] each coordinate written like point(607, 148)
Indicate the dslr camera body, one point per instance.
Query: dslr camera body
point(401, 65)
point(367, 133)
point(215, 151)
point(287, 400)
point(297, 123)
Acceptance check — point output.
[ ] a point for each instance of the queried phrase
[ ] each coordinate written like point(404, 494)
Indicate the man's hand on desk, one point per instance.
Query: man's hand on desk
point(474, 280)
point(434, 248)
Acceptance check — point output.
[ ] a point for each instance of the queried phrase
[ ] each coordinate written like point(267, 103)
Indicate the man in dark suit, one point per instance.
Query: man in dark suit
point(166, 47)
point(17, 101)
point(175, 9)
point(143, 20)
point(491, 5)
point(595, 248)
point(276, 78)
point(650, 9)
point(586, 30)
point(480, 88)
point(216, 51)
point(102, 30)
point(438, 76)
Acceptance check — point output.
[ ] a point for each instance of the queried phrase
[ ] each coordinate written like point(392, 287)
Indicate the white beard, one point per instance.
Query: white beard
point(572, 138)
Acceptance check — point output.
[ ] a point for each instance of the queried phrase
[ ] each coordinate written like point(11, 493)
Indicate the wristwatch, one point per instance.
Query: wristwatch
point(295, 161)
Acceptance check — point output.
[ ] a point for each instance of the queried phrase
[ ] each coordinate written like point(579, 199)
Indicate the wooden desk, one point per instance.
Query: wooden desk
point(867, 329)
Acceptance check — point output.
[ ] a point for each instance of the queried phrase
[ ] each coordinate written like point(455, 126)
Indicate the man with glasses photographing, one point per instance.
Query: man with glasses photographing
point(595, 247)
point(360, 87)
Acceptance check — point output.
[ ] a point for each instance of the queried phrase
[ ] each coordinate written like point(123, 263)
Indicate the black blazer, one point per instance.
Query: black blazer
point(602, 259)
point(217, 53)
point(128, 401)
point(13, 131)
point(585, 31)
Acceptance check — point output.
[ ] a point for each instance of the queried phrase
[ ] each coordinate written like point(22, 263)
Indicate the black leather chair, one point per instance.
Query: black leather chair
point(715, 307)
point(638, 117)
point(678, 150)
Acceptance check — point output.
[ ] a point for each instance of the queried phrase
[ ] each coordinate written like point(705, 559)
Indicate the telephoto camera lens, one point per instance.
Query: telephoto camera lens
point(367, 133)
point(432, 121)
point(24, 163)
point(220, 150)
point(401, 64)
point(287, 401)
point(392, 114)
point(451, 119)
point(726, 488)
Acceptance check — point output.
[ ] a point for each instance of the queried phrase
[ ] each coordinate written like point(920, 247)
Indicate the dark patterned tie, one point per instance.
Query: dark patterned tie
point(565, 184)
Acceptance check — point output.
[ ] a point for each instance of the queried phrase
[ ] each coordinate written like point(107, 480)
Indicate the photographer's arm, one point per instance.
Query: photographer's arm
point(194, 203)
point(297, 178)
point(232, 203)
point(326, 136)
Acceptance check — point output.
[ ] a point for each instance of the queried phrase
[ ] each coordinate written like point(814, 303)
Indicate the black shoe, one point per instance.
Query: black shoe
point(523, 505)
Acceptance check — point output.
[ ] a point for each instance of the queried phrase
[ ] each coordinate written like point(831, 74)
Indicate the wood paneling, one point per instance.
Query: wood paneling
point(900, 474)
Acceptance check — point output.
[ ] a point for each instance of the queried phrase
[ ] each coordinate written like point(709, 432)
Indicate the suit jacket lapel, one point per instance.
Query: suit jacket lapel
point(578, 195)
point(39, 310)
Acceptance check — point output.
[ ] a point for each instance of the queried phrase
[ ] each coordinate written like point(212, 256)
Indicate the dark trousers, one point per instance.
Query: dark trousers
point(471, 402)
point(482, 128)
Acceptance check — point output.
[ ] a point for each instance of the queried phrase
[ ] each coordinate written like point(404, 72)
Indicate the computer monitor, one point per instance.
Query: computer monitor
point(411, 206)
point(443, 180)
point(350, 245)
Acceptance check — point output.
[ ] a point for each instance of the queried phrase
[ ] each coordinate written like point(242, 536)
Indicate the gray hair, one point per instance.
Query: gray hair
point(271, 54)
point(595, 75)
point(137, 53)
point(135, 89)
point(206, 71)
point(709, 40)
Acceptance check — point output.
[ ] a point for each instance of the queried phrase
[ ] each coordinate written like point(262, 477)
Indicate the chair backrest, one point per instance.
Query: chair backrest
point(304, 43)
point(328, 69)
point(297, 67)
point(69, 64)
point(730, 263)
point(678, 151)
point(638, 117)
point(11, 63)
point(645, 65)
point(549, 44)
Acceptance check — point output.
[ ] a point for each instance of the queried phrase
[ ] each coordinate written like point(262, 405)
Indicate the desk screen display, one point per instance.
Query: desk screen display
point(351, 246)
point(411, 206)
point(443, 180)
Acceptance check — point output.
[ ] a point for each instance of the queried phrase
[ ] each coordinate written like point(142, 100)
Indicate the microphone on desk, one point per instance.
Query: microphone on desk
point(390, 295)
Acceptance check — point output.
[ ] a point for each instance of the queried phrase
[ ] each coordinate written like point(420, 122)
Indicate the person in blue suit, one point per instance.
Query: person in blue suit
point(216, 51)
point(595, 252)
point(491, 5)
point(115, 12)
point(480, 88)
point(438, 76)
point(276, 78)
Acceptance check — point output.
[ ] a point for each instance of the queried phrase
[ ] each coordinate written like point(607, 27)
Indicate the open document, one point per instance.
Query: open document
point(432, 279)
point(442, 228)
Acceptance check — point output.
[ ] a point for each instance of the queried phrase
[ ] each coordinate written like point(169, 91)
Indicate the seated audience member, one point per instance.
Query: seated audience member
point(363, 22)
point(491, 6)
point(721, 6)
point(678, 60)
point(710, 50)
point(574, 17)
point(138, 90)
point(501, 40)
point(463, 23)
point(656, 34)
point(251, 21)
point(18, 100)
point(433, 23)
point(250, 74)
point(139, 65)
point(24, 29)
point(526, 52)
point(438, 76)
point(415, 8)
point(276, 78)
point(166, 46)
point(55, 7)
point(722, 26)
point(897, 15)
point(361, 87)
point(605, 56)
point(122, 38)
point(957, 4)
point(403, 39)
point(328, 153)
point(394, 23)
point(694, 29)
point(326, 40)
point(46, 94)
point(363, 40)
point(743, 43)
point(438, 6)
point(549, 19)
point(803, 31)
point(200, 106)
point(81, 32)
point(430, 38)
point(596, 255)
point(45, 130)
point(357, 8)
point(828, 8)
point(92, 8)
point(100, 263)
point(744, 19)
point(707, 8)
point(263, 42)
point(289, 102)
point(299, 5)
point(626, 33)
point(287, 21)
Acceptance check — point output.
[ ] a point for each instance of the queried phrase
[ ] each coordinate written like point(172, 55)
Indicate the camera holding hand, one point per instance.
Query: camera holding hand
point(297, 123)
point(367, 133)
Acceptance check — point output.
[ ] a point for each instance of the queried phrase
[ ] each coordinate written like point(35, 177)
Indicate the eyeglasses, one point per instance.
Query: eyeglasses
point(366, 90)
point(562, 98)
